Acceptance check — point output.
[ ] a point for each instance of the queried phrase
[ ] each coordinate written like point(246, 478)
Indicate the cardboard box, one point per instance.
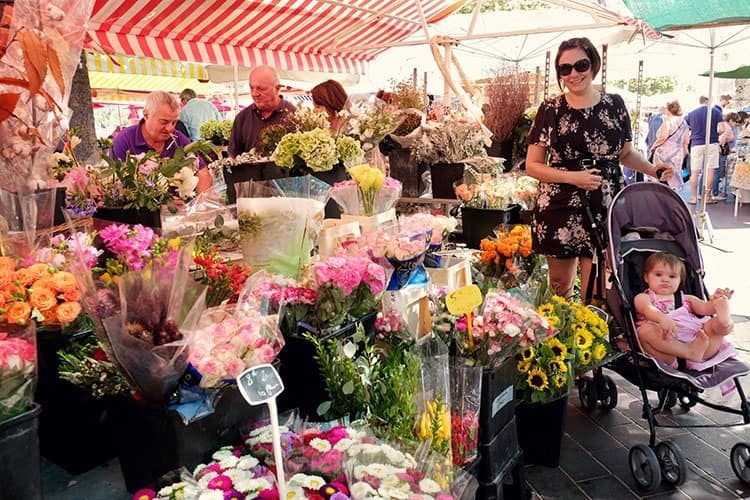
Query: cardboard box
point(454, 273)
point(413, 305)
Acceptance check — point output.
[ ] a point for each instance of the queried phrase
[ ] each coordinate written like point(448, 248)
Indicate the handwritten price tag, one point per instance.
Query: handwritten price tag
point(463, 300)
point(260, 384)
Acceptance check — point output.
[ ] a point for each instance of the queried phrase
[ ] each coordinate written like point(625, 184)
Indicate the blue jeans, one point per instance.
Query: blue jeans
point(719, 174)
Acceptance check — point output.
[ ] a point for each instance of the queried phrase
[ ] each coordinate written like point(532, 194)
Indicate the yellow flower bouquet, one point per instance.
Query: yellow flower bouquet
point(369, 192)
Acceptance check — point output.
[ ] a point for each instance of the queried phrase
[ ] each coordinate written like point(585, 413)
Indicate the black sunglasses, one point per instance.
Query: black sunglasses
point(581, 66)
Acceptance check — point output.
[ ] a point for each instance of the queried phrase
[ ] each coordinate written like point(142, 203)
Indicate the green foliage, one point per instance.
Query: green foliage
point(217, 131)
point(499, 5)
point(651, 85)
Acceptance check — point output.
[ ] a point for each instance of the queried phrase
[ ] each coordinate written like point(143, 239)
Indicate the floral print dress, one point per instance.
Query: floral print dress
point(560, 226)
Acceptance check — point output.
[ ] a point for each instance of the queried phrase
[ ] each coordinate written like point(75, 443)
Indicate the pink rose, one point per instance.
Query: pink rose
point(234, 367)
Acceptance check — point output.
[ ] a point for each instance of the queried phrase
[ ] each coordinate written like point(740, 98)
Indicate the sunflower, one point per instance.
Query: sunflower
point(584, 355)
point(559, 380)
point(546, 309)
point(559, 349)
point(599, 351)
point(528, 353)
point(537, 379)
point(523, 366)
point(583, 339)
point(559, 365)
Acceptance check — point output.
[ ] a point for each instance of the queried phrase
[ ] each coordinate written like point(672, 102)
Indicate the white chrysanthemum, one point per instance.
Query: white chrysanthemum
point(361, 490)
point(203, 482)
point(248, 486)
point(394, 492)
point(247, 462)
point(295, 493)
point(359, 471)
point(393, 455)
point(222, 453)
point(429, 486)
point(320, 444)
point(307, 481)
point(229, 462)
point(237, 475)
point(211, 495)
point(370, 449)
point(381, 470)
point(343, 444)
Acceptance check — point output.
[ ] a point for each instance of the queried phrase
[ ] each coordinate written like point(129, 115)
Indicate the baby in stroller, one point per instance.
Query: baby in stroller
point(674, 325)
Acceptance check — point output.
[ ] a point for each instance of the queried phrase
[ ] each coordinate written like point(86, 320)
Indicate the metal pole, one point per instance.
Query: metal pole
point(638, 106)
point(703, 220)
point(236, 78)
point(446, 86)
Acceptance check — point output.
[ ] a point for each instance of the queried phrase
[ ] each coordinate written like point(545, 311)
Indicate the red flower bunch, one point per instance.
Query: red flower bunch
point(464, 436)
point(224, 279)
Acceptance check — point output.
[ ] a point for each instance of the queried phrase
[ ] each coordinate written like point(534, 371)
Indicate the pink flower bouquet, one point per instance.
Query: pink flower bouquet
point(231, 338)
point(17, 369)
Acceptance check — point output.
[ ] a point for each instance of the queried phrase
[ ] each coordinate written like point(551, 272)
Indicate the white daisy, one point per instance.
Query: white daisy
point(361, 489)
point(320, 444)
point(343, 444)
point(393, 492)
point(295, 493)
point(247, 462)
point(229, 462)
point(429, 486)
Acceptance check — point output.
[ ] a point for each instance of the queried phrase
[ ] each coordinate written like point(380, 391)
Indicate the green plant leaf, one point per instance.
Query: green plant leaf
point(350, 350)
point(324, 408)
point(348, 388)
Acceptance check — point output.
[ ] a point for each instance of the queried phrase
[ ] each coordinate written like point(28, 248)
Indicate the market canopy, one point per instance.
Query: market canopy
point(686, 14)
point(741, 72)
point(309, 35)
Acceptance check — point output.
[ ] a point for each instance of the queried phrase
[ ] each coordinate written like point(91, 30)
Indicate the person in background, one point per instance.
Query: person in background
point(156, 132)
point(268, 108)
point(724, 101)
point(586, 135)
point(703, 147)
point(331, 96)
point(672, 141)
point(654, 123)
point(727, 142)
point(195, 112)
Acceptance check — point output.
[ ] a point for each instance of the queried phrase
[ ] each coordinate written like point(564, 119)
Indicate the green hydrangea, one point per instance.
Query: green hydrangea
point(217, 131)
point(349, 151)
point(285, 150)
point(318, 150)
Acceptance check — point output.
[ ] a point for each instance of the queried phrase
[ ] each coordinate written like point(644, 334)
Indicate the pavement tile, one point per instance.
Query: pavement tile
point(607, 488)
point(552, 483)
point(705, 456)
point(589, 435)
point(701, 485)
point(577, 463)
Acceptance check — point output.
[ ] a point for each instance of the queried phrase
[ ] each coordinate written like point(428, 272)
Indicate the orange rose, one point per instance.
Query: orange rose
point(46, 282)
point(6, 276)
point(71, 294)
point(64, 281)
point(8, 263)
point(18, 313)
point(39, 271)
point(50, 315)
point(23, 276)
point(68, 311)
point(42, 299)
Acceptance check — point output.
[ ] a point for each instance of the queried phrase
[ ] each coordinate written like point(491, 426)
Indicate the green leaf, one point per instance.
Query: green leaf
point(350, 350)
point(348, 387)
point(324, 407)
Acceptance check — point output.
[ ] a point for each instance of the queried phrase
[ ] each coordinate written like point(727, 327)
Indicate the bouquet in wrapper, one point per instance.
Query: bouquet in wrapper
point(17, 369)
point(466, 394)
point(141, 305)
point(441, 226)
point(369, 192)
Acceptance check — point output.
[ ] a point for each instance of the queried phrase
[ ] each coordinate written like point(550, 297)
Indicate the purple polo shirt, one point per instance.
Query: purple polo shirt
point(131, 139)
point(249, 123)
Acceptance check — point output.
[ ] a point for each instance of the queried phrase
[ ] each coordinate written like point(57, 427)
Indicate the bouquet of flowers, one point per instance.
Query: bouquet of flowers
point(370, 123)
point(508, 257)
point(499, 191)
point(85, 364)
point(544, 371)
point(39, 292)
point(505, 326)
point(441, 225)
point(224, 280)
point(17, 369)
point(466, 395)
point(581, 329)
point(317, 150)
point(369, 192)
point(231, 338)
point(216, 131)
point(451, 139)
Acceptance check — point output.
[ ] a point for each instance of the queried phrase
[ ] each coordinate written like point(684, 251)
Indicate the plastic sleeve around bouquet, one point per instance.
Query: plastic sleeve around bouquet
point(17, 368)
point(198, 214)
point(405, 249)
point(466, 394)
point(162, 300)
point(279, 220)
point(233, 337)
point(349, 197)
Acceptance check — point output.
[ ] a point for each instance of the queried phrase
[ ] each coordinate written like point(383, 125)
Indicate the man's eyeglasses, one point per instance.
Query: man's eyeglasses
point(581, 66)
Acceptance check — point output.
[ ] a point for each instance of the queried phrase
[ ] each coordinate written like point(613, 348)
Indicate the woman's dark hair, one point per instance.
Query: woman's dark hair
point(585, 45)
point(674, 107)
point(331, 95)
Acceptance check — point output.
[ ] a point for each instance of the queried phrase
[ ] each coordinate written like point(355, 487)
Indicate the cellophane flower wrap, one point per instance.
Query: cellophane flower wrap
point(466, 396)
point(505, 326)
point(369, 192)
point(17, 368)
point(230, 338)
point(278, 222)
point(434, 400)
point(39, 291)
point(441, 225)
point(404, 246)
point(498, 191)
point(141, 305)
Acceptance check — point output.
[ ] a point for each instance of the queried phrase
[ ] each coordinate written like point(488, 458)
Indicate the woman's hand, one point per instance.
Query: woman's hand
point(666, 172)
point(589, 179)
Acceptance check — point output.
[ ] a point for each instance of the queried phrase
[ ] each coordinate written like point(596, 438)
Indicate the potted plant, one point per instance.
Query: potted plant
point(507, 96)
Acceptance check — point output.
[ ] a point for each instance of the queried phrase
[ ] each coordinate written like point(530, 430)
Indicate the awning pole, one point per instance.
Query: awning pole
point(236, 78)
point(704, 221)
point(446, 86)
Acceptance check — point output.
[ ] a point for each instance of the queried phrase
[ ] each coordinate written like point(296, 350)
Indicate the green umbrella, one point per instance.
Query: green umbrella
point(741, 72)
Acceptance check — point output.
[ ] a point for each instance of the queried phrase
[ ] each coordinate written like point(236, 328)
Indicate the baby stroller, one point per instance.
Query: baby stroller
point(643, 218)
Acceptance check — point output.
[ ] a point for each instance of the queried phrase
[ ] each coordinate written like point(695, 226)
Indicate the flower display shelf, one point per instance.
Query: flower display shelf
point(152, 440)
point(540, 431)
point(304, 387)
point(107, 215)
point(479, 223)
point(370, 223)
point(20, 475)
point(261, 171)
point(498, 399)
point(444, 175)
point(453, 273)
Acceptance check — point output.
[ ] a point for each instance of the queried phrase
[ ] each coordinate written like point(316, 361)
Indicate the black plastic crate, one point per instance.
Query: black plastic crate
point(498, 399)
point(497, 457)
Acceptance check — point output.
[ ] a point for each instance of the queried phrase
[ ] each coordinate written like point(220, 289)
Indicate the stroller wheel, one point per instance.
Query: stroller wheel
point(688, 401)
point(609, 398)
point(740, 457)
point(667, 398)
point(587, 393)
point(673, 466)
point(644, 466)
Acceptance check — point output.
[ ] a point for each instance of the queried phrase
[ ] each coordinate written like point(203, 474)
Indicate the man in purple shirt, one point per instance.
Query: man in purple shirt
point(156, 132)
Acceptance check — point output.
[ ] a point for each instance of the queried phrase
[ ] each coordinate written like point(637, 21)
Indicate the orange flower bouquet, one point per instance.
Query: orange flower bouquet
point(39, 292)
point(508, 257)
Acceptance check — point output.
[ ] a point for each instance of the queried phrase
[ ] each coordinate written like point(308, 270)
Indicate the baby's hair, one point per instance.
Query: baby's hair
point(667, 259)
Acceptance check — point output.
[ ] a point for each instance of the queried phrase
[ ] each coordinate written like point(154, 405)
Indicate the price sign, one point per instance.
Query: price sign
point(462, 302)
point(260, 384)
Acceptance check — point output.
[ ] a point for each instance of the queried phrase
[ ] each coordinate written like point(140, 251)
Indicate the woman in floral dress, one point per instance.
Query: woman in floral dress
point(587, 136)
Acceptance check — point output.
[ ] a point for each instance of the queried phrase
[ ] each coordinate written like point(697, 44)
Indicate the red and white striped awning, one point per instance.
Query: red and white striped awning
point(338, 36)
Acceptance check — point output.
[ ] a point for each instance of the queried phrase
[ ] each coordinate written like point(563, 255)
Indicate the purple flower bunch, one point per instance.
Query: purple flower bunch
point(135, 247)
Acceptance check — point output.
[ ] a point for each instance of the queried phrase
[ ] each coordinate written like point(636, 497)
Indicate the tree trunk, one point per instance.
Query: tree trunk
point(83, 113)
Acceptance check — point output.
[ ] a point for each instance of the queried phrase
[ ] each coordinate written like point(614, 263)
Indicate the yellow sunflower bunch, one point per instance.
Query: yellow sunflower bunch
point(544, 371)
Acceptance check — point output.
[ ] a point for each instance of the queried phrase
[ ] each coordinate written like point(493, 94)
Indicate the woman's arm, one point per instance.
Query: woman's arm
point(635, 161)
point(537, 167)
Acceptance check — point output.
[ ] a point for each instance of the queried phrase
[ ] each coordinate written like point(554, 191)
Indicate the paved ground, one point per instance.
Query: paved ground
point(595, 455)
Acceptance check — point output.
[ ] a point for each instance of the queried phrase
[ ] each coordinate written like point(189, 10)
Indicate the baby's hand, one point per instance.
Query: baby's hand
point(667, 327)
point(722, 292)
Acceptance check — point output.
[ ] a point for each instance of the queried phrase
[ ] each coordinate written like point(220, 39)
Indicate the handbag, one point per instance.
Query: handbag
point(653, 150)
point(686, 168)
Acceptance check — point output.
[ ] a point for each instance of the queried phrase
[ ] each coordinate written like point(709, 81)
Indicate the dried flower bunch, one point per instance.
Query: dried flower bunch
point(507, 97)
point(412, 100)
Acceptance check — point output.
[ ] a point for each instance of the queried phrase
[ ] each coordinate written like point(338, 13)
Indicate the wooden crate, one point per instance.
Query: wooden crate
point(413, 305)
point(455, 272)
